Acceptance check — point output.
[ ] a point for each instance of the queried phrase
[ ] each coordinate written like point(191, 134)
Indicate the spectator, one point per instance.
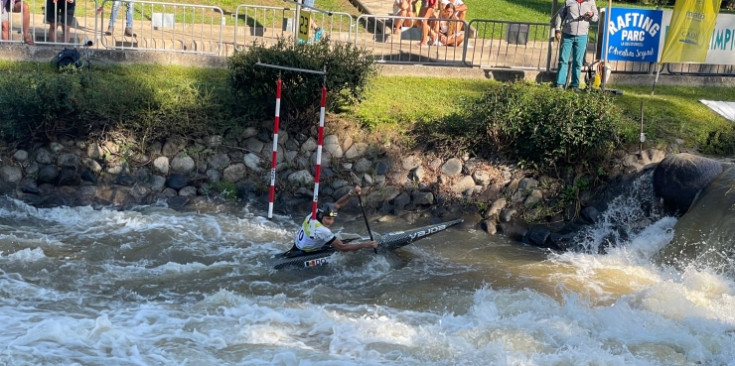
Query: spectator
point(403, 8)
point(445, 30)
point(4, 23)
point(460, 8)
point(128, 18)
point(428, 9)
point(572, 25)
point(18, 6)
point(60, 12)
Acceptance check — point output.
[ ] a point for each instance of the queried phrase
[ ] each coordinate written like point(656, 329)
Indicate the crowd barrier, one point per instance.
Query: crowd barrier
point(202, 29)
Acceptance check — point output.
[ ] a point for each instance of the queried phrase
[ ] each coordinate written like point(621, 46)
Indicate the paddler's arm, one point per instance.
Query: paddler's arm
point(342, 201)
point(342, 247)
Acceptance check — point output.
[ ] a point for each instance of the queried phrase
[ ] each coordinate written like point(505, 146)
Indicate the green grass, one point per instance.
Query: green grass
point(674, 112)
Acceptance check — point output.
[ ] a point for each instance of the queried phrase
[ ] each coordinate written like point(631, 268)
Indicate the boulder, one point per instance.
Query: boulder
point(678, 179)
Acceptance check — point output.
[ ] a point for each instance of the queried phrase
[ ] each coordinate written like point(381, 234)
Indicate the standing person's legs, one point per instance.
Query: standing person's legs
point(22, 7)
point(129, 15)
point(113, 18)
point(564, 54)
point(578, 50)
point(52, 12)
point(4, 24)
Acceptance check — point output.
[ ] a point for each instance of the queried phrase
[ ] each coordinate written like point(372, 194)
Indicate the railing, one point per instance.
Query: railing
point(375, 33)
point(201, 29)
point(265, 24)
point(167, 27)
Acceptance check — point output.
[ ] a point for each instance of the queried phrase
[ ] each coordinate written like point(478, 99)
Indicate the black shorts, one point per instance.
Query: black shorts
point(60, 11)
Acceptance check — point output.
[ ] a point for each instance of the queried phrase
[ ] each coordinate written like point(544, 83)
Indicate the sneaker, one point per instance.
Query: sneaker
point(577, 90)
point(318, 34)
point(438, 44)
point(559, 87)
point(129, 32)
point(110, 31)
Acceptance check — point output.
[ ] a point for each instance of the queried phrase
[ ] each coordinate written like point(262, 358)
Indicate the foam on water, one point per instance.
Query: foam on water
point(200, 293)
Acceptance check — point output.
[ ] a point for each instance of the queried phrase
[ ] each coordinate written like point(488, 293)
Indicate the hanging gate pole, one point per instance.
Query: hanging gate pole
point(312, 223)
point(271, 197)
point(277, 120)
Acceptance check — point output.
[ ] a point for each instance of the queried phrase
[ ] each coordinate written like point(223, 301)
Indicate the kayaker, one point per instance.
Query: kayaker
point(322, 236)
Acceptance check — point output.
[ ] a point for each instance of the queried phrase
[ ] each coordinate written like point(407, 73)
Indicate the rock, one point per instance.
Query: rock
point(68, 161)
point(177, 181)
point(43, 156)
point(489, 226)
point(301, 178)
point(678, 179)
point(362, 165)
point(234, 173)
point(173, 145)
point(452, 168)
point(482, 177)
point(463, 184)
point(411, 162)
point(331, 145)
point(382, 167)
point(356, 151)
point(309, 145)
point(21, 156)
point(533, 198)
point(161, 165)
point(88, 176)
point(182, 164)
point(188, 191)
point(252, 161)
point(527, 184)
point(537, 236)
point(213, 141)
point(401, 201)
point(218, 161)
point(508, 214)
point(422, 198)
point(92, 165)
point(11, 174)
point(496, 207)
point(47, 174)
point(254, 145)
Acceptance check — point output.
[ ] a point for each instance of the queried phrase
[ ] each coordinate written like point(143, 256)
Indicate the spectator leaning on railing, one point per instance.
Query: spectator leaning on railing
point(572, 24)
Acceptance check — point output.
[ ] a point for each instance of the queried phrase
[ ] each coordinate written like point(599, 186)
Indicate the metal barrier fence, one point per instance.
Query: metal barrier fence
point(374, 33)
point(201, 29)
point(158, 26)
point(265, 24)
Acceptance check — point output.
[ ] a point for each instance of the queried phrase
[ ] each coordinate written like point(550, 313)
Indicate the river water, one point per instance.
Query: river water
point(153, 286)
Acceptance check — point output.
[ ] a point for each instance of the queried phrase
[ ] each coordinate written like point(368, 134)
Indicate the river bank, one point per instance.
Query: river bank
point(498, 197)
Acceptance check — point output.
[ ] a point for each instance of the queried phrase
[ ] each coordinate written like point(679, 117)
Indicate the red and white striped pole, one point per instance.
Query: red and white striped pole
point(277, 120)
point(312, 223)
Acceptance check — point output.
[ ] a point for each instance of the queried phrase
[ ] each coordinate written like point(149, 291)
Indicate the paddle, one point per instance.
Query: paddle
point(364, 216)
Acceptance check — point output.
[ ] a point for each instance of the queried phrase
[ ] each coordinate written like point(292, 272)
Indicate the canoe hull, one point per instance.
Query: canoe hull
point(387, 242)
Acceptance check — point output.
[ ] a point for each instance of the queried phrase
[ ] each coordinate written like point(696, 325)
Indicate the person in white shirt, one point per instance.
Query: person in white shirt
point(322, 236)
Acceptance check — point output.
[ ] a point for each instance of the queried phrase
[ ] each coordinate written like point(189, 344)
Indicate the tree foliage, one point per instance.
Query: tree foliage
point(347, 67)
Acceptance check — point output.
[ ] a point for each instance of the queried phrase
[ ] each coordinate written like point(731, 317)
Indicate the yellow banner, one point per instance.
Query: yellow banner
point(690, 31)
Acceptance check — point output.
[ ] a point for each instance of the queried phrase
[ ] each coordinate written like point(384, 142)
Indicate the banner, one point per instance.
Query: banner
point(688, 36)
point(634, 34)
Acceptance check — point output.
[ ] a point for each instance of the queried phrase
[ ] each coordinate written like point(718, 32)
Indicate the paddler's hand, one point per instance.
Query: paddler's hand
point(358, 190)
point(370, 244)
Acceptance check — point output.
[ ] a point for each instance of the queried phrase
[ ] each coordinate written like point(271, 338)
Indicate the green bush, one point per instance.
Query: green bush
point(37, 103)
point(348, 70)
point(534, 124)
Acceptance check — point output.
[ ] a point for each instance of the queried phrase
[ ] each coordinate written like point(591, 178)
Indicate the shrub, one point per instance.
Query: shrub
point(348, 70)
point(534, 124)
